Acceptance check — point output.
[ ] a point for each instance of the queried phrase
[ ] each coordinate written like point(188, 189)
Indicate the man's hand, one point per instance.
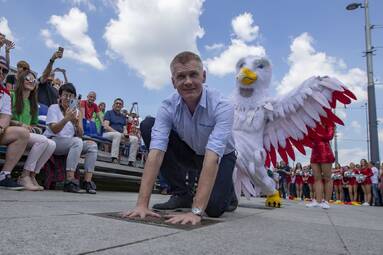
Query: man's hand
point(70, 115)
point(183, 218)
point(9, 45)
point(141, 212)
point(56, 55)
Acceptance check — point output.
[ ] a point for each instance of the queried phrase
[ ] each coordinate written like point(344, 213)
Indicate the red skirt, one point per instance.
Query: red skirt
point(298, 180)
point(367, 181)
point(337, 182)
point(288, 178)
point(311, 180)
point(322, 153)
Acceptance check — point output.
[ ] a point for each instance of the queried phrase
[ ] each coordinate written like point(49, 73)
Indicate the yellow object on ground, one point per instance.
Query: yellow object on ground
point(274, 200)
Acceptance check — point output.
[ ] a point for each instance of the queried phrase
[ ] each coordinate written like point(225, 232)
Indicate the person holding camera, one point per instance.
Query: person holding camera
point(15, 138)
point(47, 94)
point(9, 45)
point(25, 114)
point(115, 125)
point(64, 126)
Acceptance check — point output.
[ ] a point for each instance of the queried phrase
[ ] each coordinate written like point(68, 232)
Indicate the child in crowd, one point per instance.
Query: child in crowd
point(298, 173)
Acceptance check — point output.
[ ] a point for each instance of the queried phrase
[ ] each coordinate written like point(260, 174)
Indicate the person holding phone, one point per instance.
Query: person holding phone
point(47, 94)
point(64, 126)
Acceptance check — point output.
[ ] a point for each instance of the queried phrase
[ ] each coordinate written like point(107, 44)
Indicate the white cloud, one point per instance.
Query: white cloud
point(305, 61)
point(215, 46)
point(355, 124)
point(148, 34)
point(244, 32)
point(4, 29)
point(225, 62)
point(73, 28)
point(351, 155)
point(88, 3)
point(243, 27)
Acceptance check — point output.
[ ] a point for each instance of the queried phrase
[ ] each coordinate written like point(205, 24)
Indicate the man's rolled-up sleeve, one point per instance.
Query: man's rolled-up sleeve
point(161, 128)
point(222, 131)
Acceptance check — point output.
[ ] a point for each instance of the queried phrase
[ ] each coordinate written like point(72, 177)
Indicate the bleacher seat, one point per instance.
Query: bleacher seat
point(43, 111)
point(90, 130)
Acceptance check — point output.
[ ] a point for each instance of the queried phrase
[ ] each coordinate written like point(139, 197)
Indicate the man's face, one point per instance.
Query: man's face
point(117, 106)
point(91, 98)
point(3, 72)
point(188, 79)
point(51, 77)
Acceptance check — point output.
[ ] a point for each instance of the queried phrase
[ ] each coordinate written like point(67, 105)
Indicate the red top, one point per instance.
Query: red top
point(89, 109)
point(321, 151)
point(368, 173)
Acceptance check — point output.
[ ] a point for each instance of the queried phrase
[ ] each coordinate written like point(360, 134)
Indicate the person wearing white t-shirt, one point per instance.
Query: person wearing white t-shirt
point(15, 138)
point(375, 183)
point(64, 126)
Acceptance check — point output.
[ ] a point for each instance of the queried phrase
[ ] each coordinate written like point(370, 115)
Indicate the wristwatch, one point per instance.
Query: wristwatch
point(197, 211)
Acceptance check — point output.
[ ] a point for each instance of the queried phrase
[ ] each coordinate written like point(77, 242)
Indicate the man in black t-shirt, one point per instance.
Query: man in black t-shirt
point(47, 94)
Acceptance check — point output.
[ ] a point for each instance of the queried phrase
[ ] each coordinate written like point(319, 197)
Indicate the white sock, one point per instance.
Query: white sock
point(3, 174)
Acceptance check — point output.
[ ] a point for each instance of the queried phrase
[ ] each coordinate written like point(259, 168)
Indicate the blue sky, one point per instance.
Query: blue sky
point(122, 48)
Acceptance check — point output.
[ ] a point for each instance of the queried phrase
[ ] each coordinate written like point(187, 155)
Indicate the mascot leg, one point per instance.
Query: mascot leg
point(267, 186)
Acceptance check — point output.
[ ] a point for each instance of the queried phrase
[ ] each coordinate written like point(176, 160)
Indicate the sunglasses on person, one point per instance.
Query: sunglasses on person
point(4, 71)
point(31, 79)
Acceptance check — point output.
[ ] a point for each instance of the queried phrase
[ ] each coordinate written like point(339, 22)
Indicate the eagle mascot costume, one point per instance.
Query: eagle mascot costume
point(266, 125)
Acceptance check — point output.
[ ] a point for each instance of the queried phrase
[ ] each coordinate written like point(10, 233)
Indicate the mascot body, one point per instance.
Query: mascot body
point(264, 125)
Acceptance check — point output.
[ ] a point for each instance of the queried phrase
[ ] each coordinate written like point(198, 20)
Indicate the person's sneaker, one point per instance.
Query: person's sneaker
point(233, 204)
point(9, 183)
point(175, 203)
point(90, 187)
point(72, 186)
point(312, 204)
point(27, 183)
point(115, 161)
point(324, 205)
point(366, 204)
point(130, 163)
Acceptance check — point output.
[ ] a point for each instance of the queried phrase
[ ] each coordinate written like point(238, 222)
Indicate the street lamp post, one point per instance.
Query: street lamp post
point(373, 123)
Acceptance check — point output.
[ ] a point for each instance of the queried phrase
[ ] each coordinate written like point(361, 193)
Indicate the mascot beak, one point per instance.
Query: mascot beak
point(246, 76)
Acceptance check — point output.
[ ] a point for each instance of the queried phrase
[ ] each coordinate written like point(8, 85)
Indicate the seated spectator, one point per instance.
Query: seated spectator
point(15, 138)
point(99, 120)
point(11, 81)
point(115, 126)
point(47, 94)
point(64, 126)
point(88, 107)
point(24, 114)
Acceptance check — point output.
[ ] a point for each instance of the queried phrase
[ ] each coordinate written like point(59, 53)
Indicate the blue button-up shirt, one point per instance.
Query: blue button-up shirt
point(209, 128)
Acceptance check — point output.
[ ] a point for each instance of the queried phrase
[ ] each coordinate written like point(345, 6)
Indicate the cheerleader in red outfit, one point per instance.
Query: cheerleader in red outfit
point(338, 183)
point(352, 184)
point(298, 173)
point(366, 185)
point(322, 158)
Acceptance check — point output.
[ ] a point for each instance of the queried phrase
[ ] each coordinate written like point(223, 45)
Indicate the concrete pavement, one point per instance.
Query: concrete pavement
point(54, 222)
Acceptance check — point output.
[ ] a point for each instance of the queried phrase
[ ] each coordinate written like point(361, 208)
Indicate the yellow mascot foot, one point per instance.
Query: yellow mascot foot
point(274, 200)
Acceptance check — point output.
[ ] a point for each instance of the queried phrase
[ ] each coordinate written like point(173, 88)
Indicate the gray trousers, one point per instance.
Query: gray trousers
point(74, 147)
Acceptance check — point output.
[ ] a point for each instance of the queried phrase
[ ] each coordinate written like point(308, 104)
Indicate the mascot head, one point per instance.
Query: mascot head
point(253, 75)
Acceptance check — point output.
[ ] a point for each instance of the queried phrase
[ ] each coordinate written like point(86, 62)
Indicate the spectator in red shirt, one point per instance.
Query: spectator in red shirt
point(88, 107)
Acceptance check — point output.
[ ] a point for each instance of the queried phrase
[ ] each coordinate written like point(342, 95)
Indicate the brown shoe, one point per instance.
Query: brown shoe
point(34, 181)
point(27, 183)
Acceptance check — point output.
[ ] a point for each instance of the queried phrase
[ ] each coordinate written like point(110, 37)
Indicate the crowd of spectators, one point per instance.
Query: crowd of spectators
point(353, 184)
point(22, 95)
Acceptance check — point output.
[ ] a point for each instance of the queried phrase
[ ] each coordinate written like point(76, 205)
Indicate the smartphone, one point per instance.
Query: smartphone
point(61, 49)
point(73, 104)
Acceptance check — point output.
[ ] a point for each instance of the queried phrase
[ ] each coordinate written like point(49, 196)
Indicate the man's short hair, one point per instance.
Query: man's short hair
point(184, 57)
point(118, 99)
point(23, 64)
point(68, 87)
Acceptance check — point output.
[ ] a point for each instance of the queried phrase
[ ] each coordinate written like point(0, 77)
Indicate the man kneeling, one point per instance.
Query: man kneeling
point(192, 130)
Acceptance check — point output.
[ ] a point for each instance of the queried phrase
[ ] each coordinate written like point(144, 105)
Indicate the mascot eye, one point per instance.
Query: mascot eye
point(241, 65)
point(261, 66)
